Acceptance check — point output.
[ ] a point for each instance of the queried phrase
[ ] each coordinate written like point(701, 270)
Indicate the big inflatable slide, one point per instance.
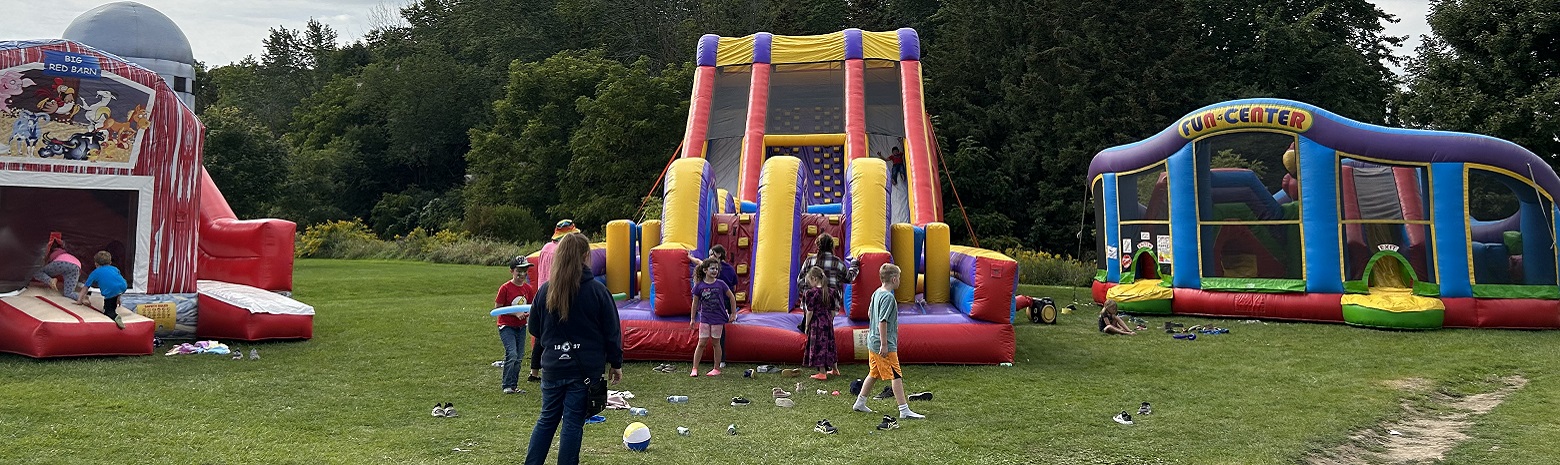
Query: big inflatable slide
point(1269, 208)
point(789, 138)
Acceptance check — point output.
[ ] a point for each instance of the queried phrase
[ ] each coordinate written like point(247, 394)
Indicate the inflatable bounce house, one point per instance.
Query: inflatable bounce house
point(789, 138)
point(1277, 209)
point(104, 154)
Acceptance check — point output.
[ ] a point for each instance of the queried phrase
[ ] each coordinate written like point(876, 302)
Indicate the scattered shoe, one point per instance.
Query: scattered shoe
point(713, 372)
point(748, 373)
point(449, 410)
point(785, 402)
point(920, 396)
point(498, 364)
point(438, 409)
point(820, 377)
point(254, 354)
point(1123, 418)
point(738, 401)
point(780, 393)
point(888, 423)
point(1186, 336)
point(1145, 409)
point(888, 393)
point(238, 355)
point(767, 369)
point(824, 427)
point(791, 372)
point(731, 429)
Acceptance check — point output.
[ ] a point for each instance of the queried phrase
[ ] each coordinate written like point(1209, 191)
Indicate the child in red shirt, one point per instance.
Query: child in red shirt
point(511, 326)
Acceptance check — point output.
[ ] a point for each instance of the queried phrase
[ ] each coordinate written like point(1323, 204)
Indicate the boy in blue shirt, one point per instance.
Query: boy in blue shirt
point(883, 347)
point(108, 279)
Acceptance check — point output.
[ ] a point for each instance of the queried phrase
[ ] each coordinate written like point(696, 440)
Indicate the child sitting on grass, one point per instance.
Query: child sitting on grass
point(1111, 323)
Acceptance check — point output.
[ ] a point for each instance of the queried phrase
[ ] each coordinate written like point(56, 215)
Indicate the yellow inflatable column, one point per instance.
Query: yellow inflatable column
point(777, 237)
point(938, 267)
point(649, 237)
point(620, 260)
point(867, 206)
point(903, 247)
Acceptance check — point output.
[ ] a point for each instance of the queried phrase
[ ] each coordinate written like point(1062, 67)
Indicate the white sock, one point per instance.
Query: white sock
point(861, 404)
point(904, 412)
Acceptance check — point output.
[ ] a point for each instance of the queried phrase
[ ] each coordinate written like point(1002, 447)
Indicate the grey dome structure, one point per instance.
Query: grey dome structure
point(141, 35)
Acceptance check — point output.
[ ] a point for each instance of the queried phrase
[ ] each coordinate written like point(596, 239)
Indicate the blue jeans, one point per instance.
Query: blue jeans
point(514, 354)
point(562, 400)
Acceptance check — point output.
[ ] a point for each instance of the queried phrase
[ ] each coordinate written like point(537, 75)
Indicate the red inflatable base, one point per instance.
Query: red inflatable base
point(1468, 312)
point(42, 324)
point(221, 320)
point(1299, 307)
point(947, 343)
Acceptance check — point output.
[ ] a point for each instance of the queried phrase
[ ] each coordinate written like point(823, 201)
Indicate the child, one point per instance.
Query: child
point(1110, 322)
point(727, 273)
point(710, 313)
point(107, 279)
point(883, 347)
point(511, 327)
point(896, 168)
point(60, 264)
point(821, 303)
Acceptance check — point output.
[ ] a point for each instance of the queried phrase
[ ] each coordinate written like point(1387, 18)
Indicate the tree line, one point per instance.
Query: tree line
point(497, 117)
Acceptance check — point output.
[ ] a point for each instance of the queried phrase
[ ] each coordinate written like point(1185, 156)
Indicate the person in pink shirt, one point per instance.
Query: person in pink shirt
point(59, 263)
point(544, 258)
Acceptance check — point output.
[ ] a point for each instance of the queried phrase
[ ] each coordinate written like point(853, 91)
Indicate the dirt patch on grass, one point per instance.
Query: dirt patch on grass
point(1425, 433)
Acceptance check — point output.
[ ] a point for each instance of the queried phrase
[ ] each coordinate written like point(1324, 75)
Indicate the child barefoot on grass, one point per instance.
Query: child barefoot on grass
point(711, 311)
point(1110, 322)
point(821, 303)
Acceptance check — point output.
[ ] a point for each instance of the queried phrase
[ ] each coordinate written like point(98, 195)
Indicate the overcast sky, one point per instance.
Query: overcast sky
point(224, 31)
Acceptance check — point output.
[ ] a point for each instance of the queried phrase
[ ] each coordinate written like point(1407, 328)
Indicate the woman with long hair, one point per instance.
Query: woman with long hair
point(576, 323)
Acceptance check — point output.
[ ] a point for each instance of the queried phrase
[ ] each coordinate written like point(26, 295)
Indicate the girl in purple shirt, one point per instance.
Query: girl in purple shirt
point(711, 312)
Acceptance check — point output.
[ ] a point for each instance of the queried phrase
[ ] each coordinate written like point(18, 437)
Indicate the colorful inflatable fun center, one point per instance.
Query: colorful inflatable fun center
point(1270, 208)
point(104, 154)
point(789, 138)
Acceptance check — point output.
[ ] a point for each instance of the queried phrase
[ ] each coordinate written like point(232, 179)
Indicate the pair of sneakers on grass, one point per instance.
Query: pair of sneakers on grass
point(825, 427)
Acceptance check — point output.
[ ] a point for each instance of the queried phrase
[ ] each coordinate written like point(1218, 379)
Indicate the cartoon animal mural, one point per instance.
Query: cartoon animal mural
point(98, 112)
point(122, 133)
point(11, 84)
point(25, 131)
point(61, 105)
point(79, 146)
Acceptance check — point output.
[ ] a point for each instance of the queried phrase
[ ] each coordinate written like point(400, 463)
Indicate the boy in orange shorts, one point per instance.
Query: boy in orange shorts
point(883, 345)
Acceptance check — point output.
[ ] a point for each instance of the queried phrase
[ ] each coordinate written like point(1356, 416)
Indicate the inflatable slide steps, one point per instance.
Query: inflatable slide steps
point(246, 313)
point(932, 334)
point(40, 323)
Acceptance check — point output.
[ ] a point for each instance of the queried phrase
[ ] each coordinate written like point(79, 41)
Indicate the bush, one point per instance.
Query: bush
point(353, 240)
point(1048, 269)
point(335, 239)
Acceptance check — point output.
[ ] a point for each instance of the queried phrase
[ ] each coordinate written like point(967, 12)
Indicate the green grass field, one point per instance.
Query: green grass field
point(393, 338)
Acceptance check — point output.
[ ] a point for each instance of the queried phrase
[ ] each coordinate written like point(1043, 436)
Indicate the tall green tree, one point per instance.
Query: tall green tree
point(244, 158)
point(1490, 67)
